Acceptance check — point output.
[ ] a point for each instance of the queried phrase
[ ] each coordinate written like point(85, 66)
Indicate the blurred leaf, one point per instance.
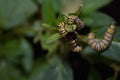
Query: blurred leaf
point(93, 5)
point(8, 71)
point(55, 3)
point(60, 19)
point(48, 46)
point(27, 60)
point(48, 12)
point(70, 6)
point(113, 52)
point(40, 1)
point(117, 34)
point(88, 51)
point(93, 75)
point(54, 70)
point(100, 33)
point(111, 78)
point(53, 38)
point(15, 12)
point(98, 19)
point(11, 49)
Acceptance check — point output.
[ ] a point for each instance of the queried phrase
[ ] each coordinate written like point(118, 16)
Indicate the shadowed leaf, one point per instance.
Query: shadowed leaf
point(15, 12)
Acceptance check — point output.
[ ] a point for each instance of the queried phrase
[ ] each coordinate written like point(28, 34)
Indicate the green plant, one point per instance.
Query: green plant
point(18, 22)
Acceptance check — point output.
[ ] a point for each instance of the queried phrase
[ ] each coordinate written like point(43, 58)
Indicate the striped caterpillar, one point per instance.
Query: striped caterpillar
point(75, 20)
point(101, 45)
point(70, 37)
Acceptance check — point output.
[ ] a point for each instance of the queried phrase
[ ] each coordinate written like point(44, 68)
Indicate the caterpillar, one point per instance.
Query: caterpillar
point(72, 19)
point(70, 37)
point(101, 45)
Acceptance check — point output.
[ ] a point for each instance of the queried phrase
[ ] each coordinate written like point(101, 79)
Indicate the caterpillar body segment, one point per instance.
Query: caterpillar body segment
point(101, 45)
point(70, 37)
point(75, 20)
point(63, 32)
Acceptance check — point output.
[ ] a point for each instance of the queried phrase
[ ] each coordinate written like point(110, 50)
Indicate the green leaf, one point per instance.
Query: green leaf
point(9, 72)
point(100, 33)
point(27, 59)
point(46, 45)
point(54, 70)
point(113, 52)
point(92, 5)
point(87, 51)
point(117, 34)
point(14, 48)
point(70, 6)
point(93, 75)
point(48, 12)
point(57, 4)
point(53, 38)
point(40, 1)
point(11, 49)
point(111, 78)
point(15, 12)
point(98, 19)
point(60, 19)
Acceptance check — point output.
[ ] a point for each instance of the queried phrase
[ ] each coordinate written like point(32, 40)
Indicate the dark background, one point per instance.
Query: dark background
point(113, 10)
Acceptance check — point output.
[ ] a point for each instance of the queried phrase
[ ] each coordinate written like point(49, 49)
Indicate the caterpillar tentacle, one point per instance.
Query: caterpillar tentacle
point(70, 37)
point(101, 45)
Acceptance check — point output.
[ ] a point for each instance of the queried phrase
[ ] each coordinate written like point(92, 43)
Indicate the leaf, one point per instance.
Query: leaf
point(15, 12)
point(40, 1)
point(98, 19)
point(111, 78)
point(70, 6)
point(48, 12)
point(92, 5)
point(55, 3)
point(117, 34)
point(54, 70)
point(53, 38)
point(60, 19)
point(100, 33)
point(9, 72)
point(93, 75)
point(113, 52)
point(11, 49)
point(46, 45)
point(88, 51)
point(14, 48)
point(27, 60)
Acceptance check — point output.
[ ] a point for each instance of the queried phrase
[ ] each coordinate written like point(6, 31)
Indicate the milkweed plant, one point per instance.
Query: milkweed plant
point(27, 24)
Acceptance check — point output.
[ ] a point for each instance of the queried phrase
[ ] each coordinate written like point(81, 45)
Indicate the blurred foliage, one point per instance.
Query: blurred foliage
point(38, 19)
